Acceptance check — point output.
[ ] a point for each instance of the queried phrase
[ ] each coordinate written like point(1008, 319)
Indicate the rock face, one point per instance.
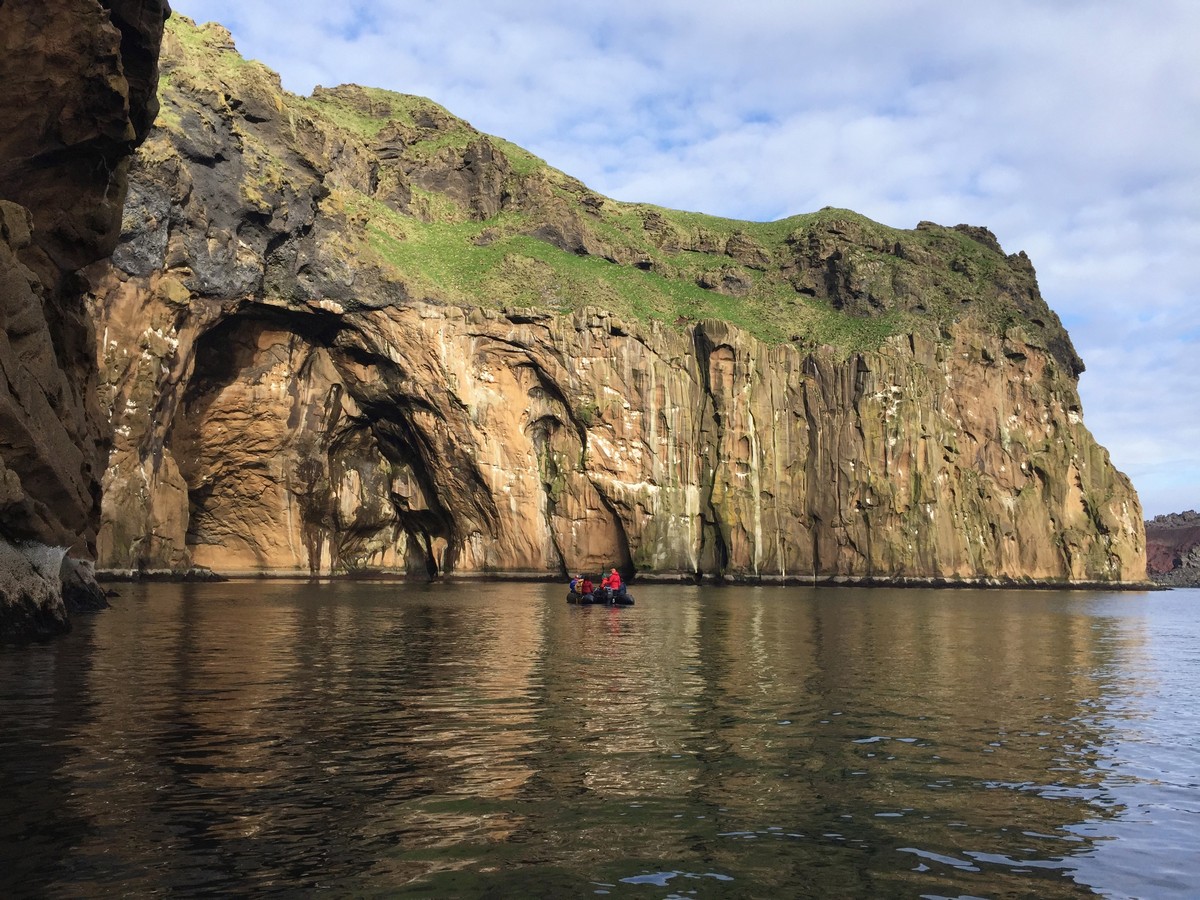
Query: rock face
point(349, 333)
point(79, 82)
point(1173, 549)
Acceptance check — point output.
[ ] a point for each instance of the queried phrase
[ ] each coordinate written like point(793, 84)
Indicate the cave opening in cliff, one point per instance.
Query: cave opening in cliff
point(302, 447)
point(250, 439)
point(442, 501)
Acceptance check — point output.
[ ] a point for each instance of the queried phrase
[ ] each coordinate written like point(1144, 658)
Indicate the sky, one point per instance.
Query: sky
point(1070, 128)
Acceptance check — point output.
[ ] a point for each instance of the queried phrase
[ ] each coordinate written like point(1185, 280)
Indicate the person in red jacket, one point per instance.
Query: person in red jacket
point(586, 588)
point(606, 588)
point(613, 581)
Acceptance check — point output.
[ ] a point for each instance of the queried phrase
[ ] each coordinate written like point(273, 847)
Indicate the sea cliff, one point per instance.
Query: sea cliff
point(1173, 549)
point(350, 333)
point(79, 80)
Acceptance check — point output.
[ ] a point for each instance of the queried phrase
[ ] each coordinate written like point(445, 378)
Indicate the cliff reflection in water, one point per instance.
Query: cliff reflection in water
point(285, 737)
point(961, 729)
point(352, 736)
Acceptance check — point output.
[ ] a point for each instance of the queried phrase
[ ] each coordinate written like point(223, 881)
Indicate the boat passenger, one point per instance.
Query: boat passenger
point(614, 582)
point(586, 588)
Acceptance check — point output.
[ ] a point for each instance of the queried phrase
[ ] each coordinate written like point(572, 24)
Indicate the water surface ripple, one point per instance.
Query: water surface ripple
point(368, 739)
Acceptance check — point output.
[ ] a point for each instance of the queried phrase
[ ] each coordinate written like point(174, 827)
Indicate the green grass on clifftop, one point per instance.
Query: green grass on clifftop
point(828, 277)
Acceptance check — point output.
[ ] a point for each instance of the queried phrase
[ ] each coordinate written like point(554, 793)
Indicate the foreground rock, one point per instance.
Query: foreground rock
point(1173, 549)
point(78, 94)
point(349, 333)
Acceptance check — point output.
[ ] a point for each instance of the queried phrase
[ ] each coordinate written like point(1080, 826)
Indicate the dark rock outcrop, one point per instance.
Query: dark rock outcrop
point(1173, 549)
point(79, 80)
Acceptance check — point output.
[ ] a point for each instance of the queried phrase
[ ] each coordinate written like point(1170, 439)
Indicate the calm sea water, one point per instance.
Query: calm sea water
point(364, 739)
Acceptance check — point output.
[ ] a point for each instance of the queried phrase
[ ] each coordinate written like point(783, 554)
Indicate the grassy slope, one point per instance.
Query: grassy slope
point(921, 278)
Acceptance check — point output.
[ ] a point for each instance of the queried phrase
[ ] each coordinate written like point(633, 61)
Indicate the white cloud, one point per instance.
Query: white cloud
point(1068, 128)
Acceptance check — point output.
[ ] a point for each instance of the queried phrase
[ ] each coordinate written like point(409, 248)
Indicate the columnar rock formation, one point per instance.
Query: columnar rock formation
point(348, 333)
point(79, 80)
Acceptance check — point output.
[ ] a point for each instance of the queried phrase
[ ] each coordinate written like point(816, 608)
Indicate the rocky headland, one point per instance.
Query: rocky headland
point(79, 80)
point(349, 333)
point(1173, 549)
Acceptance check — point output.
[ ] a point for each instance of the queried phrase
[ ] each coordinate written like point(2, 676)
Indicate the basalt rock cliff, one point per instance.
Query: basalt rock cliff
point(79, 80)
point(350, 333)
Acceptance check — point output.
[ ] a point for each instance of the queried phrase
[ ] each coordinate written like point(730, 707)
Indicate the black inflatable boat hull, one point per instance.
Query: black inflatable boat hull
point(597, 600)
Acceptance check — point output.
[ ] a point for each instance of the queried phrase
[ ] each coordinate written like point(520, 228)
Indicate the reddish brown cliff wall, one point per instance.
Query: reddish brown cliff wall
point(77, 95)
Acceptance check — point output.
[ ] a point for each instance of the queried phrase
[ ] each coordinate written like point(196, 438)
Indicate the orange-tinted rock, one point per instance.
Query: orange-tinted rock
point(287, 392)
point(432, 438)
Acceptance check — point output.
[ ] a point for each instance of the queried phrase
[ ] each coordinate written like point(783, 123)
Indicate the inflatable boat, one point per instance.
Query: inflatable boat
point(602, 597)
